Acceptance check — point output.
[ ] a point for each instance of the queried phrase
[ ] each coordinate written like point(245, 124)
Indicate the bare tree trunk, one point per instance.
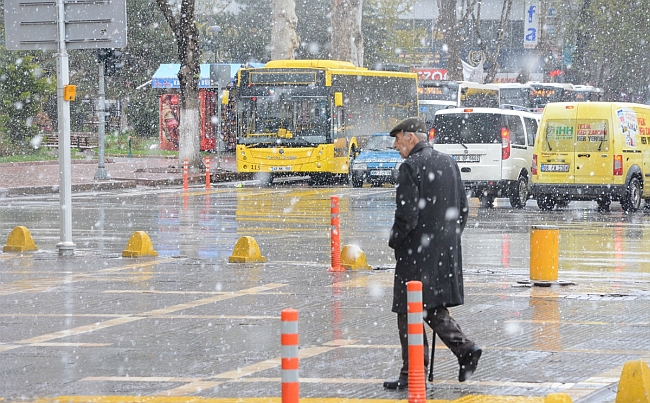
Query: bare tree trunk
point(347, 39)
point(544, 44)
point(492, 57)
point(187, 41)
point(449, 27)
point(580, 71)
point(284, 40)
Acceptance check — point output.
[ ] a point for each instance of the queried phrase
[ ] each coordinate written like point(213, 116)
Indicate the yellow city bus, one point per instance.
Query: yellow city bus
point(311, 117)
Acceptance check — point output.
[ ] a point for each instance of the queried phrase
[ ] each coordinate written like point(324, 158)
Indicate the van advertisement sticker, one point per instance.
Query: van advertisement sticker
point(629, 125)
point(592, 130)
point(557, 131)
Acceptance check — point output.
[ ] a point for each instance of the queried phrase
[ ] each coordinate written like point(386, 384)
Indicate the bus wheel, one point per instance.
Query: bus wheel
point(545, 202)
point(632, 199)
point(343, 179)
point(265, 178)
point(320, 179)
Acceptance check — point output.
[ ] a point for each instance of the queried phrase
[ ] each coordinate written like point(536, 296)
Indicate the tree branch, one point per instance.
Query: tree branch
point(169, 16)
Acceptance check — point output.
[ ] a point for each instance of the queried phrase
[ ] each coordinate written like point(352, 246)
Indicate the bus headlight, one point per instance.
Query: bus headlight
point(360, 166)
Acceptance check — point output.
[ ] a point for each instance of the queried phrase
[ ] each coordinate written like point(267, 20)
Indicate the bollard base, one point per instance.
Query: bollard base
point(334, 269)
point(542, 283)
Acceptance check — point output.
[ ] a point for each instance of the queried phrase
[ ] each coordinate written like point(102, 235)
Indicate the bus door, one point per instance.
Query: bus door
point(338, 126)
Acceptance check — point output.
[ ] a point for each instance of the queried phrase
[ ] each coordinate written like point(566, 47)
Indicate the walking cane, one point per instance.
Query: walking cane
point(433, 353)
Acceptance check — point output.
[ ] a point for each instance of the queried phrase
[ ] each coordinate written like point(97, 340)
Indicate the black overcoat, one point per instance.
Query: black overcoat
point(430, 216)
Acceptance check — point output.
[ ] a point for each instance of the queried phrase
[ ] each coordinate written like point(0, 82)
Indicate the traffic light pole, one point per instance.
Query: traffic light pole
point(101, 174)
point(65, 246)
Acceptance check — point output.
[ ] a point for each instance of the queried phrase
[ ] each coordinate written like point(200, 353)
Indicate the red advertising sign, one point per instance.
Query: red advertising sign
point(431, 74)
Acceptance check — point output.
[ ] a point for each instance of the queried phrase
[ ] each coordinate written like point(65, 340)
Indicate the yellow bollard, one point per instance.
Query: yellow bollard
point(19, 240)
point(246, 251)
point(544, 245)
point(557, 398)
point(139, 245)
point(634, 385)
point(353, 258)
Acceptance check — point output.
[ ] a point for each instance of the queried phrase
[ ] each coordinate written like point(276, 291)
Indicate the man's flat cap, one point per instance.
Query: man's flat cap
point(409, 125)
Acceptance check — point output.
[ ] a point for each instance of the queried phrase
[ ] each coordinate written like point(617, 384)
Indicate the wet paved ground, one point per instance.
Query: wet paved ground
point(189, 326)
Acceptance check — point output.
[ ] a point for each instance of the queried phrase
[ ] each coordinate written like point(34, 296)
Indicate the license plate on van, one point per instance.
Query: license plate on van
point(555, 167)
point(467, 158)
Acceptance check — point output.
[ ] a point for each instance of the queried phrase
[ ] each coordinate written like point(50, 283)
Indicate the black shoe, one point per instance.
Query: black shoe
point(399, 384)
point(468, 363)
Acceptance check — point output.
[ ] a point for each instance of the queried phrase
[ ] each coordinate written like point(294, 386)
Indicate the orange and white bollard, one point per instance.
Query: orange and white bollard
point(290, 363)
point(417, 384)
point(207, 172)
point(335, 235)
point(185, 175)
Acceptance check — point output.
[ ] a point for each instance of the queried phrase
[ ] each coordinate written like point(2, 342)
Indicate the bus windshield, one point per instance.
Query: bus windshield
point(438, 91)
point(284, 120)
point(546, 93)
point(516, 97)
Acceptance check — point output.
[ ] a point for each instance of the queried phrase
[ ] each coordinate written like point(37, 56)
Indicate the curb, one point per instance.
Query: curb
point(124, 183)
point(79, 187)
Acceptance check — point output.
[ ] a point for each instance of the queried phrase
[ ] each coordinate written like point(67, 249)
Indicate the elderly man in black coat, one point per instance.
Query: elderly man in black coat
point(430, 216)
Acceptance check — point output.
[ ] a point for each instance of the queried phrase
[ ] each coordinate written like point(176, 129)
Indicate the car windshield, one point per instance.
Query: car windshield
point(466, 128)
point(376, 143)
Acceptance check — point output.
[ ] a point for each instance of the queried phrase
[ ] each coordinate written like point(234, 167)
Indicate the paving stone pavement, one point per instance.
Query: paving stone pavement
point(42, 177)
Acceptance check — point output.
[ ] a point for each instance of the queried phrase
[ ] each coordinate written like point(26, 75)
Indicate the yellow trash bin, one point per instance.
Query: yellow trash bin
point(544, 245)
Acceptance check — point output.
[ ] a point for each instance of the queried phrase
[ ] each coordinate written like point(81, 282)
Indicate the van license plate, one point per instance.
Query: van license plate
point(555, 167)
point(276, 169)
point(381, 172)
point(467, 158)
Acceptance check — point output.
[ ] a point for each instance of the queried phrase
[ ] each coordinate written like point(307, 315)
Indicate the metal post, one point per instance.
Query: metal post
point(65, 246)
point(101, 174)
point(290, 362)
point(417, 392)
point(219, 124)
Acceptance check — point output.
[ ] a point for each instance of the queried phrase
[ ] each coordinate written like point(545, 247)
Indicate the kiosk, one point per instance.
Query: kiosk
point(166, 77)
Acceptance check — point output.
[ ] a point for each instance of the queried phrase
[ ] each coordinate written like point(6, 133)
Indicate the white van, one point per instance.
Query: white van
point(493, 148)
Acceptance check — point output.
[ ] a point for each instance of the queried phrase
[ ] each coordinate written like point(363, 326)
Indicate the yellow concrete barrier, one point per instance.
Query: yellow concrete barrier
point(246, 251)
point(634, 386)
point(558, 398)
point(544, 245)
point(19, 240)
point(139, 245)
point(353, 258)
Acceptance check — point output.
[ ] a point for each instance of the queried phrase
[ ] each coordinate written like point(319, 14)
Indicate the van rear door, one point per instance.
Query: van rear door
point(473, 139)
point(593, 156)
point(557, 154)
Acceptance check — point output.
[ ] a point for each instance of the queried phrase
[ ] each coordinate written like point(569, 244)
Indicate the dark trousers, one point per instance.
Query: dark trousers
point(444, 326)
